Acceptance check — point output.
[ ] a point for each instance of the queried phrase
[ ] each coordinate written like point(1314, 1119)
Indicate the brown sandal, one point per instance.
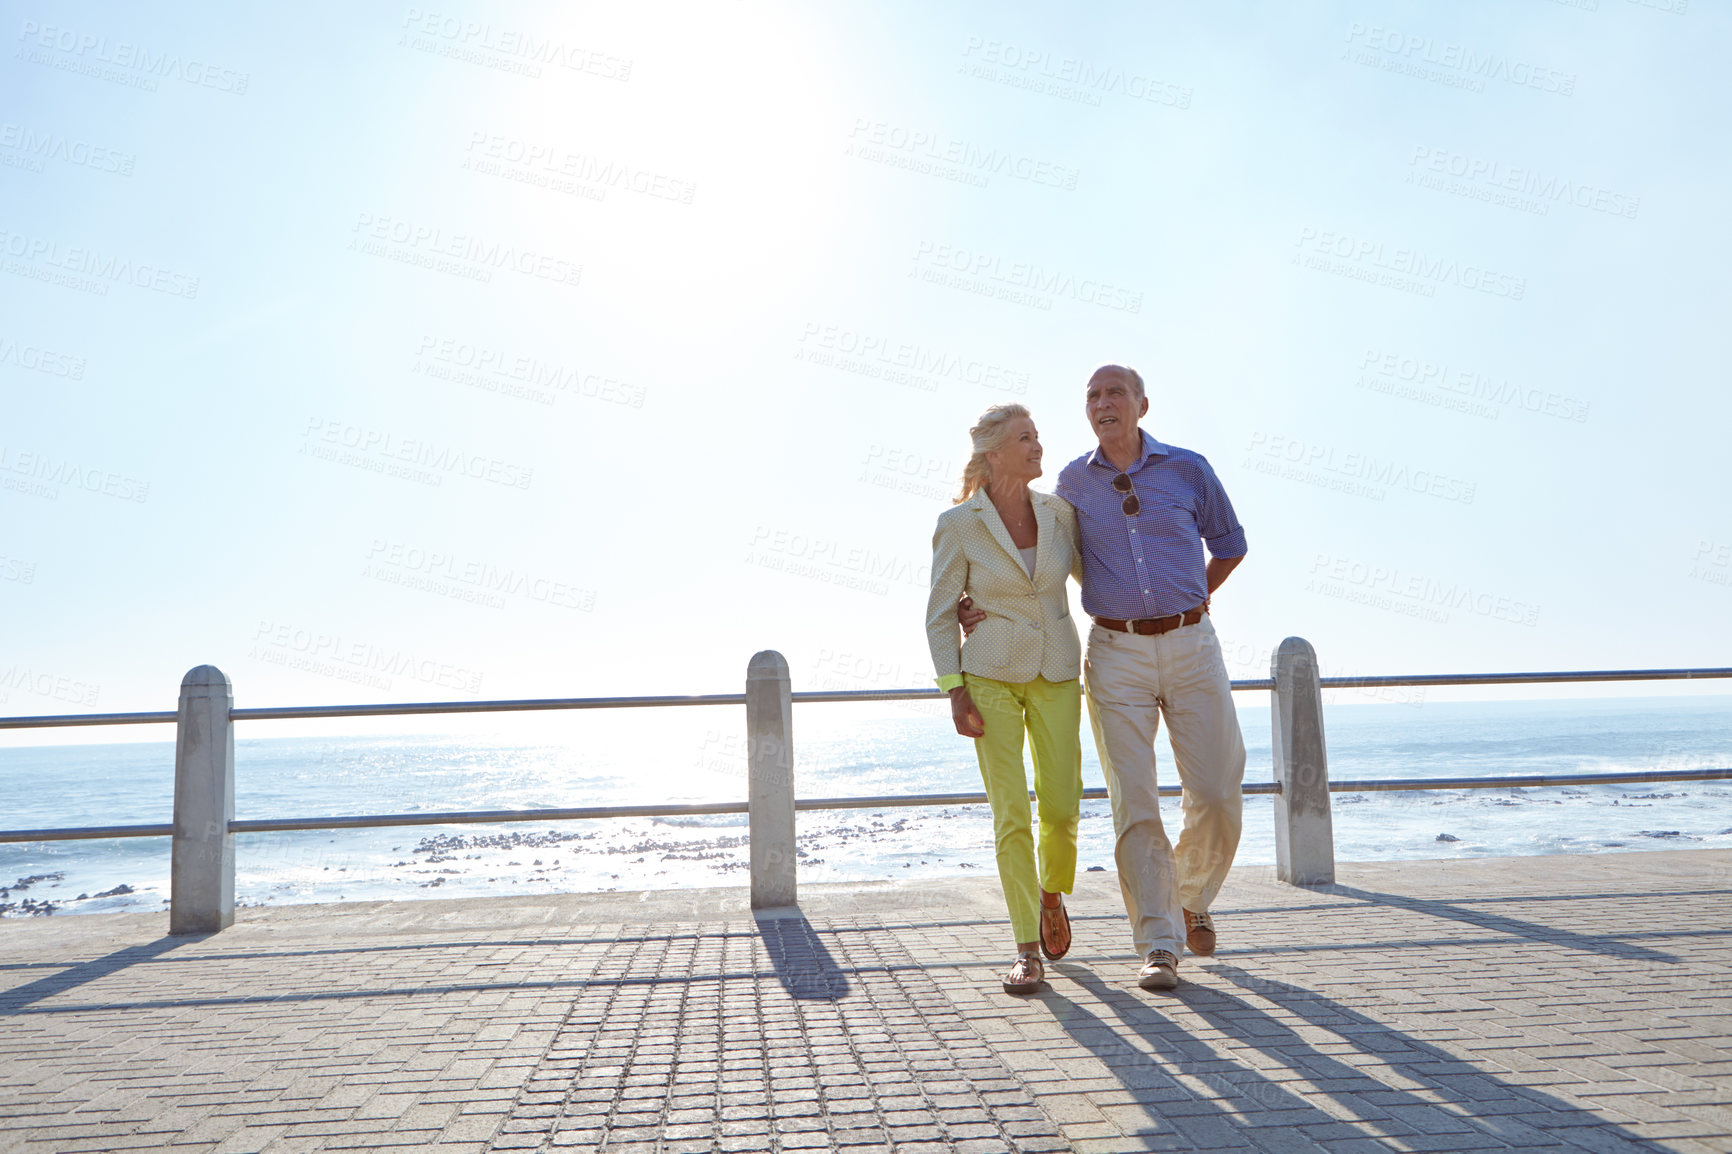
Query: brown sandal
point(1025, 974)
point(1054, 930)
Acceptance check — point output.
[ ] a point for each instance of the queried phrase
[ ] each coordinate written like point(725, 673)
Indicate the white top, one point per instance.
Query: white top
point(1028, 558)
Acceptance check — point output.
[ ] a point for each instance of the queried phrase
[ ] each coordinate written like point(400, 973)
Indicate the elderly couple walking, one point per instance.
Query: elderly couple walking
point(1129, 521)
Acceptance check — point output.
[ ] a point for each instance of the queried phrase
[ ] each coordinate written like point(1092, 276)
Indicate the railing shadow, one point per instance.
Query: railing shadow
point(1191, 1092)
point(14, 1001)
point(799, 957)
point(1499, 923)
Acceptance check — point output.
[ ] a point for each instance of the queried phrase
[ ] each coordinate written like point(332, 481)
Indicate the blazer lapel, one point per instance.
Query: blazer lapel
point(995, 525)
point(1046, 525)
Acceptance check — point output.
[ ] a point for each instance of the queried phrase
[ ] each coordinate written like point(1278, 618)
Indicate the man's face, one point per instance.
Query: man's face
point(1113, 404)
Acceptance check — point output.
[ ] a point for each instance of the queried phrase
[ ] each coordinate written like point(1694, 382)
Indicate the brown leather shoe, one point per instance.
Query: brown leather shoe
point(1025, 974)
point(1199, 934)
point(1054, 929)
point(1160, 972)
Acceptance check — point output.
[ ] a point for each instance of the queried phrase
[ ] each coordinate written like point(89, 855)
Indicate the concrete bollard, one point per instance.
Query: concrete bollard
point(1304, 831)
point(770, 779)
point(202, 893)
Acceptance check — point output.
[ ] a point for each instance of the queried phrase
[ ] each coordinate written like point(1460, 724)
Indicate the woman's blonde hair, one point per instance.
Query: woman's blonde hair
point(987, 436)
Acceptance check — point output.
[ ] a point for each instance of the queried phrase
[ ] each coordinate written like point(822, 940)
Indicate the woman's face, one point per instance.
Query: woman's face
point(1017, 458)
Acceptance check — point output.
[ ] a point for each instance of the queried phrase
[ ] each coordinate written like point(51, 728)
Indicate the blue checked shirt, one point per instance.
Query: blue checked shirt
point(1149, 565)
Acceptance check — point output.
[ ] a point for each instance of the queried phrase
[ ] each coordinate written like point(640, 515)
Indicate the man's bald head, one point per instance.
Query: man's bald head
point(1130, 376)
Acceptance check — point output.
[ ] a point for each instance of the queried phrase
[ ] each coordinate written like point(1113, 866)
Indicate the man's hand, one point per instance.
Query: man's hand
point(968, 616)
point(968, 721)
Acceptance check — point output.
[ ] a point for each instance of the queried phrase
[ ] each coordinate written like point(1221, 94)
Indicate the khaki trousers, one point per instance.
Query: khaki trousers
point(1133, 681)
point(1051, 712)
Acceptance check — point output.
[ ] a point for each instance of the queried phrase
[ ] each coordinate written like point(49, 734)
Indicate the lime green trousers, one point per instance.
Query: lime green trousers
point(1051, 714)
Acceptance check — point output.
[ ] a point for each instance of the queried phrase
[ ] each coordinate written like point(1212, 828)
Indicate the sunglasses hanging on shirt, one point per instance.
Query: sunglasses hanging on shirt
point(1122, 483)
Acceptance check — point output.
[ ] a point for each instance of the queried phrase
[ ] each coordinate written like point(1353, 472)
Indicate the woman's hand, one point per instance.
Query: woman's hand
point(968, 721)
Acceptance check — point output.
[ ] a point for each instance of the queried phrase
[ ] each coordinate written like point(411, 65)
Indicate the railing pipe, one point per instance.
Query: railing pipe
point(1559, 678)
point(882, 801)
point(1245, 685)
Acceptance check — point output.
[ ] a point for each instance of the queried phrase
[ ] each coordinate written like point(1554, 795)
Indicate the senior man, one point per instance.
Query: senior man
point(1144, 511)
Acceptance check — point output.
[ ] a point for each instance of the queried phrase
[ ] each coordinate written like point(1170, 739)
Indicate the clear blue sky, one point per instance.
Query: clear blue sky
point(648, 336)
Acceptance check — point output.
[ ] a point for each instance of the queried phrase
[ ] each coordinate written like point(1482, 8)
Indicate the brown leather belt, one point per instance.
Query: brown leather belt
point(1153, 626)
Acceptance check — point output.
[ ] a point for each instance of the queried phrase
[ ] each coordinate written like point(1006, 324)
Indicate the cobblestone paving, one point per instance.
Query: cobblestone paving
point(1552, 1003)
point(754, 1038)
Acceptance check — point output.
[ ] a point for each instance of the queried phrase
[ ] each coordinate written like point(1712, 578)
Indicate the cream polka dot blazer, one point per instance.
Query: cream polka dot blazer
point(1028, 631)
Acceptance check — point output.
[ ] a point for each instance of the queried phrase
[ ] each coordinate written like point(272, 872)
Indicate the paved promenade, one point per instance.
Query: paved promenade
point(1555, 1003)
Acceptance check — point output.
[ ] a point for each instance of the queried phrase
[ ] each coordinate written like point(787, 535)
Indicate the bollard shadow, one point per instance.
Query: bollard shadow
point(14, 1001)
point(1202, 1094)
point(1515, 927)
point(802, 963)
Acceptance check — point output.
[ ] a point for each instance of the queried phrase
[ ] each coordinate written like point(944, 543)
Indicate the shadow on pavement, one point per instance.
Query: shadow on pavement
point(1194, 1096)
point(802, 964)
point(71, 977)
point(1533, 931)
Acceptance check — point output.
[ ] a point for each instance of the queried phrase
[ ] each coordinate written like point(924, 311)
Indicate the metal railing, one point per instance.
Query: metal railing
point(204, 823)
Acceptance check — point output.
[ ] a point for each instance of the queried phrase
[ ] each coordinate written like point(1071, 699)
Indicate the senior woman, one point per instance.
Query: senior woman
point(1010, 549)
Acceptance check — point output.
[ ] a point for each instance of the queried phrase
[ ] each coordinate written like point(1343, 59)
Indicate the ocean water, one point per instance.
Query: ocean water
point(636, 757)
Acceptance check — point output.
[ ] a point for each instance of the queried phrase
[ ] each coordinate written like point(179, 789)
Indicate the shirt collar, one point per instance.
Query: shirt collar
point(1151, 448)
